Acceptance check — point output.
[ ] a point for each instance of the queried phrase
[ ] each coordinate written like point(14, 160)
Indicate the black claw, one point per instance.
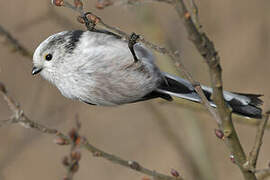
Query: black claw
point(131, 42)
point(90, 25)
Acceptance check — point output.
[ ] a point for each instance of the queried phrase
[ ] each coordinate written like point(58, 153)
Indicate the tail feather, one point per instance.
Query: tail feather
point(255, 100)
point(243, 104)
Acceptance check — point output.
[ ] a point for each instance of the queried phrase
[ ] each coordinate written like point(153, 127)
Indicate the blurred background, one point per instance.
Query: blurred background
point(157, 134)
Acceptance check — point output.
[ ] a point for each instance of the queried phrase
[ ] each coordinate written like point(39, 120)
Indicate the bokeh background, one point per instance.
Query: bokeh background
point(157, 134)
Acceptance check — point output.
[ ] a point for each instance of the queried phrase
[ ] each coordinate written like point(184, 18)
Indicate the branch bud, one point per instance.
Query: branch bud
point(60, 141)
point(76, 155)
point(219, 134)
point(174, 173)
point(57, 2)
point(134, 165)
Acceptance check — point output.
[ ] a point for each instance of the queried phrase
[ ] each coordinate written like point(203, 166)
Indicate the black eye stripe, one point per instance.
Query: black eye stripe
point(48, 57)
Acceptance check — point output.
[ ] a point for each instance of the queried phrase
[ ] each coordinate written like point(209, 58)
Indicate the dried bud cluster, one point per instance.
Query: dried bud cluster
point(72, 164)
point(58, 2)
point(94, 19)
point(174, 173)
point(90, 18)
point(101, 4)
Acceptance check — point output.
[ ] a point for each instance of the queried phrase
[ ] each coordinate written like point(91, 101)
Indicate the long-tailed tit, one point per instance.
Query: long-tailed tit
point(98, 68)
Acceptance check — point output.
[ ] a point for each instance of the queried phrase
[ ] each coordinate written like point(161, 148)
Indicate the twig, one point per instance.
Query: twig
point(263, 174)
point(102, 4)
point(19, 117)
point(207, 50)
point(14, 43)
point(253, 155)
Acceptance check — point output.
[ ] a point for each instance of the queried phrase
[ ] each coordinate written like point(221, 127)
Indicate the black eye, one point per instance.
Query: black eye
point(48, 57)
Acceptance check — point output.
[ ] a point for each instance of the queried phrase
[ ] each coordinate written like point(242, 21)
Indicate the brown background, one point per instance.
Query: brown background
point(240, 31)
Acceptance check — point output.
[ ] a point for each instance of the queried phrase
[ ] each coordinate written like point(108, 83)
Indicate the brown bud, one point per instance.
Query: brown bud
point(174, 173)
point(58, 2)
point(60, 141)
point(97, 154)
point(65, 161)
point(73, 134)
point(93, 18)
point(219, 133)
point(76, 155)
point(2, 88)
point(78, 3)
point(134, 165)
point(232, 158)
point(101, 4)
point(187, 15)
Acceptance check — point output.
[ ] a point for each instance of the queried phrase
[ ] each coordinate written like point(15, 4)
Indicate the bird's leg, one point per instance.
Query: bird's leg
point(131, 42)
point(90, 21)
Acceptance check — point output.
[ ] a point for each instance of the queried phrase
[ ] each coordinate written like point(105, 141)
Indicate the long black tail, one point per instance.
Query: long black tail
point(243, 104)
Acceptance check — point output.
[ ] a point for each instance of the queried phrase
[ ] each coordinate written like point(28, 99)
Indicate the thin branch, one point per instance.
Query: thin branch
point(253, 155)
point(102, 4)
point(16, 46)
point(19, 117)
point(263, 174)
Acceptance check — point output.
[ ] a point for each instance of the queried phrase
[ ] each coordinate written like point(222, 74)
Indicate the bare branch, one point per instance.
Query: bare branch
point(16, 46)
point(253, 155)
point(263, 174)
point(19, 117)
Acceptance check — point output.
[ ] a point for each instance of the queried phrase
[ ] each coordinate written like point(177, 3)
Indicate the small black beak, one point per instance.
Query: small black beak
point(36, 70)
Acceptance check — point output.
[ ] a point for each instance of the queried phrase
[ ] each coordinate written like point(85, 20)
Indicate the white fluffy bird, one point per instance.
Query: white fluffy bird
point(98, 68)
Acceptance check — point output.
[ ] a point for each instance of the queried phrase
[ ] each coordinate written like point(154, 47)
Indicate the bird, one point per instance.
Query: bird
point(98, 68)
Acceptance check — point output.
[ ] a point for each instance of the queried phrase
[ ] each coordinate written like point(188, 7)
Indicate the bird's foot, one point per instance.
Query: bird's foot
point(131, 42)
